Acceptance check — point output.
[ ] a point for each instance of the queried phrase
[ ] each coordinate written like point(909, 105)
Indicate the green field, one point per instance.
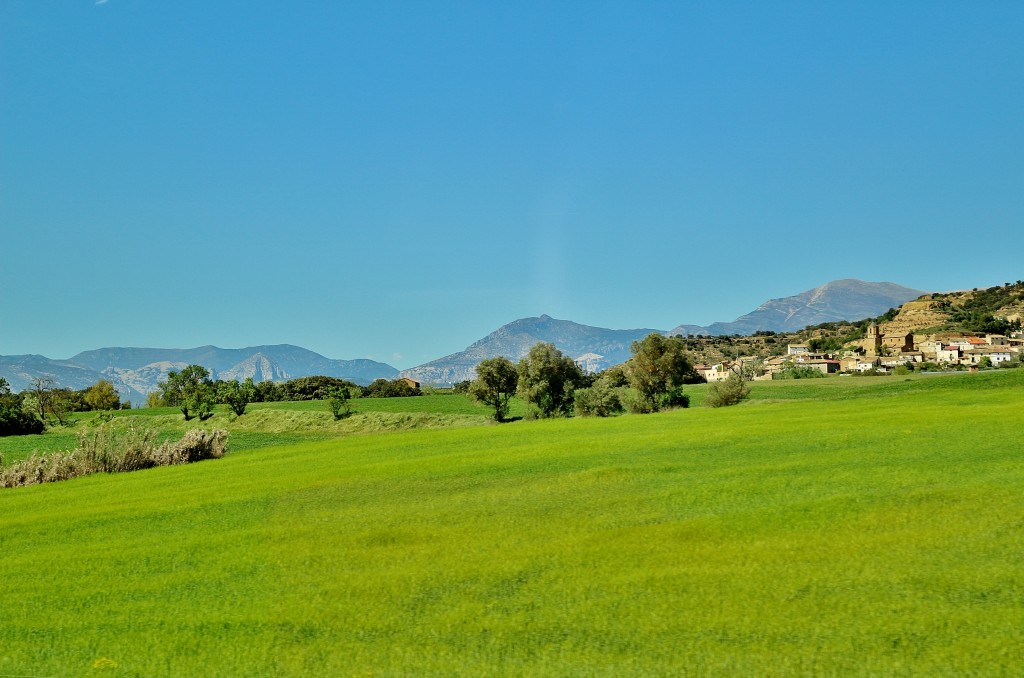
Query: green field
point(854, 527)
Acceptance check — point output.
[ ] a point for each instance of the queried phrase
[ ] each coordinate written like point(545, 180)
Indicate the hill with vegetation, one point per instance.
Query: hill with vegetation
point(996, 310)
point(808, 532)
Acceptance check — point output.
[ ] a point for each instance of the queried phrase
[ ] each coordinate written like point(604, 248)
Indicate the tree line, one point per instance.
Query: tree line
point(28, 412)
point(195, 393)
point(555, 386)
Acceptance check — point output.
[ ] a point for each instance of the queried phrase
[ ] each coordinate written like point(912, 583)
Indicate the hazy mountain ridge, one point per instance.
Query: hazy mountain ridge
point(838, 300)
point(515, 340)
point(847, 299)
point(137, 371)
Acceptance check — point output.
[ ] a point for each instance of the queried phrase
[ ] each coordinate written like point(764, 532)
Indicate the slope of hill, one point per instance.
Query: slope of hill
point(994, 309)
point(838, 300)
point(514, 340)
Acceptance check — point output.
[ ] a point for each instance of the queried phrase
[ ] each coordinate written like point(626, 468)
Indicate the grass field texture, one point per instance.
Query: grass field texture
point(873, 529)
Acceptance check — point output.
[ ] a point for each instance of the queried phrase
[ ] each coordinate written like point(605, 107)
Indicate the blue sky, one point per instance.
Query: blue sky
point(395, 180)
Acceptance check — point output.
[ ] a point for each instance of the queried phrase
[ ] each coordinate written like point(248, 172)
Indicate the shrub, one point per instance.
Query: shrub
point(732, 391)
point(600, 400)
point(798, 372)
point(394, 388)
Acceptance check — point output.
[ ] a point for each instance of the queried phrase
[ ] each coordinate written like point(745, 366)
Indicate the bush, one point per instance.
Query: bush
point(732, 391)
point(395, 388)
point(798, 372)
point(600, 400)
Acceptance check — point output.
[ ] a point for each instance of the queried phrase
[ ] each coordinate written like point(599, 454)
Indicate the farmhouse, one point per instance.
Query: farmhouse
point(823, 365)
point(996, 354)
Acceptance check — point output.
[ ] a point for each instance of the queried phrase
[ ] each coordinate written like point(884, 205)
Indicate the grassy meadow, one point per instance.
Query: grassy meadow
point(854, 527)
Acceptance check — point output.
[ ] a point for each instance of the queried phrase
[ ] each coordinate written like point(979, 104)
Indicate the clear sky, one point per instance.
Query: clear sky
point(397, 179)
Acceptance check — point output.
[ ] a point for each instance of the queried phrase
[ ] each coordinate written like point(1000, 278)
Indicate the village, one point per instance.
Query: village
point(881, 353)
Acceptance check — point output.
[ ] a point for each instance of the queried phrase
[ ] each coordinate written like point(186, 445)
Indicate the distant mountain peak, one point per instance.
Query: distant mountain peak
point(515, 339)
point(846, 299)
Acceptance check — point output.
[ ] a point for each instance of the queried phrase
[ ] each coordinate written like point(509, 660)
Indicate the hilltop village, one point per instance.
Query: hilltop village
point(932, 332)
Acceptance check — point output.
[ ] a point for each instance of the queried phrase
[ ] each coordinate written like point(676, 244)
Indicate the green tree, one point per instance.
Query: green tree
point(657, 371)
point(14, 420)
point(339, 400)
point(102, 396)
point(547, 380)
point(236, 395)
point(191, 391)
point(495, 384)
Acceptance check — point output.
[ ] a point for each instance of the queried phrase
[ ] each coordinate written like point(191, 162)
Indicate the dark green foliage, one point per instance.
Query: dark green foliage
point(547, 379)
point(391, 388)
point(798, 372)
point(311, 388)
point(461, 387)
point(495, 384)
point(13, 419)
point(657, 371)
point(976, 313)
point(236, 395)
point(339, 400)
point(602, 399)
point(269, 392)
point(732, 391)
point(191, 391)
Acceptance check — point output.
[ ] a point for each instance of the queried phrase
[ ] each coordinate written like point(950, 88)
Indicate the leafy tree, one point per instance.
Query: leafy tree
point(63, 401)
point(102, 396)
point(14, 420)
point(547, 380)
point(340, 401)
point(236, 395)
point(657, 371)
point(154, 399)
point(269, 392)
point(495, 384)
point(191, 391)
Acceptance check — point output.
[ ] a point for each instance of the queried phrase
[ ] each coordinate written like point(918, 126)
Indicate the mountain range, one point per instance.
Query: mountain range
point(847, 299)
point(597, 348)
point(137, 371)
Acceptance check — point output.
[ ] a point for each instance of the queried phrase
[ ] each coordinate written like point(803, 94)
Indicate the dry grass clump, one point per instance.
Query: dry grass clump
point(110, 452)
